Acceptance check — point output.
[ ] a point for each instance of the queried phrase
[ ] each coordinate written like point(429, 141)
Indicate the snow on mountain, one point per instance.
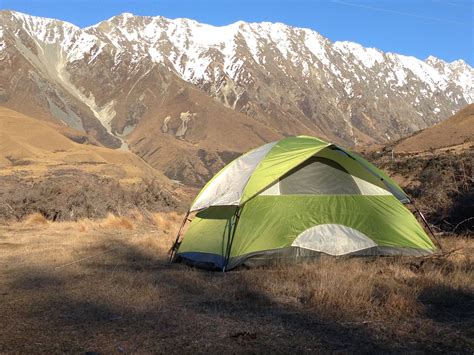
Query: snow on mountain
point(291, 79)
point(73, 41)
point(366, 56)
point(192, 46)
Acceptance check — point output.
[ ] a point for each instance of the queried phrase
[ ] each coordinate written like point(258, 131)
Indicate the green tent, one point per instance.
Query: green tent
point(294, 199)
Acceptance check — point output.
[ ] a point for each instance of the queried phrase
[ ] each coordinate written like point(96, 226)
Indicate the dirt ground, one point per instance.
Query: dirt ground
point(106, 287)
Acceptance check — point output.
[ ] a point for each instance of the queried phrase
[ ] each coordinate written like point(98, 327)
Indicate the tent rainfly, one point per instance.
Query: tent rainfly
point(292, 200)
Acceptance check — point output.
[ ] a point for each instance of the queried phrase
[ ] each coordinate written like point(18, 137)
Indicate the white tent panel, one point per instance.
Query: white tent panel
point(368, 189)
point(227, 187)
point(333, 239)
point(272, 190)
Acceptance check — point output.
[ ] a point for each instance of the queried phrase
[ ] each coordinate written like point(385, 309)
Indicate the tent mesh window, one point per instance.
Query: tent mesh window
point(316, 176)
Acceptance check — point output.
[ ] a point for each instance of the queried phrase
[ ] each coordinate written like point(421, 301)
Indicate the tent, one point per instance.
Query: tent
point(296, 199)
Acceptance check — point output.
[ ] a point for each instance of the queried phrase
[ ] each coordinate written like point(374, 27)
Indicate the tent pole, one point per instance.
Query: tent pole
point(231, 238)
point(227, 251)
point(174, 247)
point(427, 225)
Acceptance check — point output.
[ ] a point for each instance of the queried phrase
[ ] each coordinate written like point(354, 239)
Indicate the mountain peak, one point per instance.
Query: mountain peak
point(460, 63)
point(35, 20)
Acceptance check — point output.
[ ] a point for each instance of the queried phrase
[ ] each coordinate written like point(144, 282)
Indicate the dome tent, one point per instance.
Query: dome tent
point(294, 199)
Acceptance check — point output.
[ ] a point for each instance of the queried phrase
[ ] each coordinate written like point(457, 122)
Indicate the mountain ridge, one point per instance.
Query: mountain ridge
point(133, 79)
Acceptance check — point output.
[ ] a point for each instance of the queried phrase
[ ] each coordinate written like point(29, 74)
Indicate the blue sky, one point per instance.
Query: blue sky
point(441, 28)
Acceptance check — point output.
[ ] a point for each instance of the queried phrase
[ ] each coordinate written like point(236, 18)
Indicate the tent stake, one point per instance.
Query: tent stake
point(174, 247)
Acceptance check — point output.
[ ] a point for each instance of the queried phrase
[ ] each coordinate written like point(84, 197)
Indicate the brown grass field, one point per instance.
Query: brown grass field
point(105, 286)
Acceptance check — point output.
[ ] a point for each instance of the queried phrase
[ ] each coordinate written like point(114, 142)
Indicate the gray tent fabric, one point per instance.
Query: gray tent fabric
point(318, 176)
point(321, 176)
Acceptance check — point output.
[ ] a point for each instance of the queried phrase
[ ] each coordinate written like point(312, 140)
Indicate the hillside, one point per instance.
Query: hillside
point(31, 147)
point(42, 170)
point(455, 131)
point(196, 136)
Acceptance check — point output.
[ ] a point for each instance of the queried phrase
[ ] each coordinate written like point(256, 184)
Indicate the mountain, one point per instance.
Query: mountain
point(456, 131)
point(188, 97)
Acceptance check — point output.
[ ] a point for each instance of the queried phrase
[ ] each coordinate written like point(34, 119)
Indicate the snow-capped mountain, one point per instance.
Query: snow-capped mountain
point(131, 76)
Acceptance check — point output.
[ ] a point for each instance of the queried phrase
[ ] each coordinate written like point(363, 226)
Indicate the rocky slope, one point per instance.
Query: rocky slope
point(456, 132)
point(188, 96)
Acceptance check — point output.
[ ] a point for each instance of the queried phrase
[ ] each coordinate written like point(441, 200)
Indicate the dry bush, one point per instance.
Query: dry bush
point(148, 242)
point(84, 225)
point(384, 289)
point(442, 184)
point(72, 195)
point(152, 244)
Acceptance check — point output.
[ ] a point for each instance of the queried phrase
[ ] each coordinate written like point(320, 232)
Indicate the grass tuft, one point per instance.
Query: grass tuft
point(114, 222)
point(35, 219)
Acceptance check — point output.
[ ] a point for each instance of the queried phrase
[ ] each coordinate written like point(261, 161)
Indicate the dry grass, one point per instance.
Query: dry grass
point(114, 222)
point(167, 222)
point(35, 219)
point(106, 286)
